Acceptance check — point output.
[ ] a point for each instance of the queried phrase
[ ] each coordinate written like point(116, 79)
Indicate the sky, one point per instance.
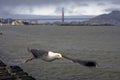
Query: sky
point(53, 7)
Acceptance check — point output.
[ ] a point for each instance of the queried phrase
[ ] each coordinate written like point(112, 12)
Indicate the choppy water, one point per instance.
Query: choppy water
point(98, 43)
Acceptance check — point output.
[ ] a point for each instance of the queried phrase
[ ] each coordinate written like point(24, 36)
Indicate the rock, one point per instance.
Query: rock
point(18, 73)
point(3, 71)
point(2, 64)
point(18, 22)
point(26, 78)
point(14, 69)
point(4, 75)
point(21, 73)
point(13, 73)
point(7, 78)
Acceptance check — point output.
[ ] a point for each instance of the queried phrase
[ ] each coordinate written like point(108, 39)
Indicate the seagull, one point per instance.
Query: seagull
point(49, 56)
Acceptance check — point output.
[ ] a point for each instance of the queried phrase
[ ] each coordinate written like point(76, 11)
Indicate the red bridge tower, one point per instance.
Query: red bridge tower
point(62, 15)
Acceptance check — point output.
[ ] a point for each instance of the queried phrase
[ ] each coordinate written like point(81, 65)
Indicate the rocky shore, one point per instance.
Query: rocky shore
point(13, 72)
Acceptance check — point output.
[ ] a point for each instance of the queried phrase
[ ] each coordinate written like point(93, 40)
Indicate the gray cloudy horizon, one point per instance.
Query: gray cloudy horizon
point(53, 7)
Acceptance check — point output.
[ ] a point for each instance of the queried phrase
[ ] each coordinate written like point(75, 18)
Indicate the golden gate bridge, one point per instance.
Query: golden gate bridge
point(61, 19)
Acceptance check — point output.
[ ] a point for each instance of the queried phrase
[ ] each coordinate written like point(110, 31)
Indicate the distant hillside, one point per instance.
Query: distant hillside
point(112, 18)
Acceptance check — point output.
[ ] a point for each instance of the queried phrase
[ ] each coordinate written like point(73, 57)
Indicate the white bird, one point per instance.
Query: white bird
point(51, 56)
point(44, 55)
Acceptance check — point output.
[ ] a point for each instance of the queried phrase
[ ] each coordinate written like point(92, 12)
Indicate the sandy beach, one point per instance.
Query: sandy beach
point(97, 43)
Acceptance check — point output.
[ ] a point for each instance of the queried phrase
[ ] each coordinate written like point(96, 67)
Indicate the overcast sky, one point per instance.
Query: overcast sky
point(53, 7)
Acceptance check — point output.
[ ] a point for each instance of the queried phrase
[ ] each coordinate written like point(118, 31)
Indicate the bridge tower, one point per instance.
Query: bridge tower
point(62, 15)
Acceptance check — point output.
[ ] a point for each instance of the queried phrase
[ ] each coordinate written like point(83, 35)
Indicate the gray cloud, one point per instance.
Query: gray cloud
point(53, 2)
point(116, 2)
point(11, 6)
